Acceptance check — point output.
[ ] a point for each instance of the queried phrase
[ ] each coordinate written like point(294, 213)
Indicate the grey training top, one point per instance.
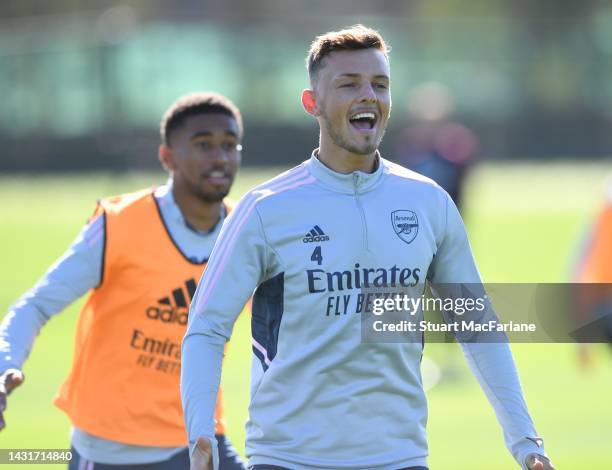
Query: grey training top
point(305, 244)
point(73, 275)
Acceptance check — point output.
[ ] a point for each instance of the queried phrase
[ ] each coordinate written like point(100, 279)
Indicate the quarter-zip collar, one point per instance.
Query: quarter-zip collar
point(356, 182)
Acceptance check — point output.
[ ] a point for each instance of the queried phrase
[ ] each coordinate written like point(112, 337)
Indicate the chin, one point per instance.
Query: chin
point(364, 150)
point(212, 197)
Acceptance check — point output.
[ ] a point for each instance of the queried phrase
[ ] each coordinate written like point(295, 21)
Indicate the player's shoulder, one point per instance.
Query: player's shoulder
point(119, 203)
point(428, 194)
point(404, 175)
point(283, 184)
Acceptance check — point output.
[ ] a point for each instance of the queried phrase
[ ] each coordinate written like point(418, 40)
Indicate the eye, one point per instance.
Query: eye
point(381, 86)
point(203, 145)
point(347, 85)
point(229, 146)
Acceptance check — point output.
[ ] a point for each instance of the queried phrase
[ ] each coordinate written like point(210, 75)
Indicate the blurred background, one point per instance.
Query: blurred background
point(84, 83)
point(507, 104)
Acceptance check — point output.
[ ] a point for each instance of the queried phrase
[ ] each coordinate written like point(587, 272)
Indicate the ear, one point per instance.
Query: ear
point(310, 103)
point(166, 157)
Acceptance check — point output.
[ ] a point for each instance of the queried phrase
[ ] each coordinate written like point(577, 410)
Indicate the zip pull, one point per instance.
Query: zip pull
point(364, 227)
point(355, 180)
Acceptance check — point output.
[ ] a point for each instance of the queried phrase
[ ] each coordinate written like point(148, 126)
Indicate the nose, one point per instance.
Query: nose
point(218, 155)
point(368, 95)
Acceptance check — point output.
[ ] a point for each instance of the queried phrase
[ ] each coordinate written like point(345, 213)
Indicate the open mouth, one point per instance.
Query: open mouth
point(363, 121)
point(217, 177)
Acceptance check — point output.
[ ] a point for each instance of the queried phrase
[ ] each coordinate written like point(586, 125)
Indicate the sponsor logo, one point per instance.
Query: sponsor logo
point(405, 224)
point(150, 345)
point(315, 235)
point(361, 277)
point(174, 308)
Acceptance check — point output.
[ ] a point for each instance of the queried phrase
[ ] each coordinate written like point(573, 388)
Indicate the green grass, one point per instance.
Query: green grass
point(524, 222)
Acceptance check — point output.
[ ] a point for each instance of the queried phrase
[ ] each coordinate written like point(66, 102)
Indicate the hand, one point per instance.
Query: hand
point(202, 455)
point(538, 462)
point(9, 379)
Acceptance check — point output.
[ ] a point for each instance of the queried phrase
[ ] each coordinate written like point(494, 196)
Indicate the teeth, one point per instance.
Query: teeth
point(217, 174)
point(364, 116)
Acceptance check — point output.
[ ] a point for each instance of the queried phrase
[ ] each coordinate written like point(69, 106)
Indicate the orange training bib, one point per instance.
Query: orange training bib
point(124, 381)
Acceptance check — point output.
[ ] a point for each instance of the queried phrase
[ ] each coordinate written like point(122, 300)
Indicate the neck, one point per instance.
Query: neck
point(343, 161)
point(200, 215)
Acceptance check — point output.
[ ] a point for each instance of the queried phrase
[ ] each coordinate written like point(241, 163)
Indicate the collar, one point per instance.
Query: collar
point(356, 182)
point(172, 212)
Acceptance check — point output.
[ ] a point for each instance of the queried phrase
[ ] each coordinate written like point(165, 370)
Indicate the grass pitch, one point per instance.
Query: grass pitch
point(524, 223)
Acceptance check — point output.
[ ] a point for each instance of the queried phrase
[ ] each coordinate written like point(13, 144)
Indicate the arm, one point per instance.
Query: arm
point(592, 277)
point(238, 263)
point(77, 271)
point(594, 263)
point(491, 363)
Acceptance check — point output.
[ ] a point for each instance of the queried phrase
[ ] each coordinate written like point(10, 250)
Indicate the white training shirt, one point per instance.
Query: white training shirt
point(305, 243)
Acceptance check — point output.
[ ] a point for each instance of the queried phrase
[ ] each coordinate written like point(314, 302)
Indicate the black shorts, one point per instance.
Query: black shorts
point(228, 460)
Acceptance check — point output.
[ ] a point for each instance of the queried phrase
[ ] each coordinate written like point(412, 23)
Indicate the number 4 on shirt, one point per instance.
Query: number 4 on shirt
point(317, 256)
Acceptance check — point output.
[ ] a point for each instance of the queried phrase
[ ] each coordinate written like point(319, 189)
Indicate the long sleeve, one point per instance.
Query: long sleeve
point(77, 271)
point(595, 264)
point(238, 263)
point(491, 363)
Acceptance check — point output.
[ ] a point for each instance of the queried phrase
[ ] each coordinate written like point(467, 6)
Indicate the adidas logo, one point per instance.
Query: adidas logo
point(174, 308)
point(315, 235)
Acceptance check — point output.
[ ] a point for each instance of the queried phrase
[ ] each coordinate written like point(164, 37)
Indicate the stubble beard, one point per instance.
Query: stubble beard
point(367, 148)
point(210, 196)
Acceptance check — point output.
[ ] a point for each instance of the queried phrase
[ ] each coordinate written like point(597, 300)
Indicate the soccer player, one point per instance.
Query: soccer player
point(593, 295)
point(139, 257)
point(306, 242)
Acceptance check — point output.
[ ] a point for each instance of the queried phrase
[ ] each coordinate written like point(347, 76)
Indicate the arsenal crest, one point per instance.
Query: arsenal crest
point(406, 224)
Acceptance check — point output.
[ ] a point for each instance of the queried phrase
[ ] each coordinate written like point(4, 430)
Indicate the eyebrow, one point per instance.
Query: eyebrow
point(358, 75)
point(209, 134)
